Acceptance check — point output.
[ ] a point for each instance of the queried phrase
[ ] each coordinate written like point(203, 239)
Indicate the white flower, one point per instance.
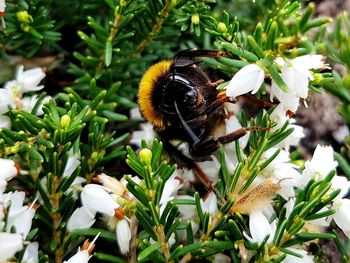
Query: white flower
point(210, 204)
point(10, 244)
point(296, 75)
point(83, 254)
point(31, 253)
point(172, 185)
point(28, 103)
point(279, 118)
point(2, 6)
point(123, 233)
point(211, 169)
point(260, 227)
point(147, 133)
point(16, 200)
point(342, 215)
point(26, 81)
point(72, 163)
point(321, 164)
point(292, 259)
point(81, 218)
point(8, 169)
point(6, 100)
point(249, 78)
point(22, 222)
point(5, 122)
point(95, 198)
point(283, 170)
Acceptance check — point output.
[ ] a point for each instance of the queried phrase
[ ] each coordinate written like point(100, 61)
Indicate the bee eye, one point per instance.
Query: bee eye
point(190, 96)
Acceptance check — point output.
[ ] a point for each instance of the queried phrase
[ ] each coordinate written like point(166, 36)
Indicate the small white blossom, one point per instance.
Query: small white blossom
point(292, 259)
point(147, 133)
point(81, 218)
point(2, 6)
point(172, 185)
point(112, 184)
point(6, 100)
point(279, 118)
point(26, 81)
point(28, 103)
point(83, 254)
point(10, 244)
point(22, 222)
point(31, 253)
point(249, 78)
point(260, 227)
point(123, 233)
point(8, 169)
point(321, 164)
point(296, 75)
point(96, 199)
point(210, 204)
point(5, 122)
point(342, 215)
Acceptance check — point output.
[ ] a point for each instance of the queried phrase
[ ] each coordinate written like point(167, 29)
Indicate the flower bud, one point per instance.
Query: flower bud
point(222, 27)
point(146, 155)
point(24, 17)
point(195, 19)
point(65, 121)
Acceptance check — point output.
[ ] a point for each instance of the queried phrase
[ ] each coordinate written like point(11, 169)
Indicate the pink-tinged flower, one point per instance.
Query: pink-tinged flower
point(293, 259)
point(81, 218)
point(8, 169)
point(84, 253)
point(10, 244)
point(2, 6)
point(249, 78)
point(296, 75)
point(96, 199)
point(321, 164)
point(31, 253)
point(112, 184)
point(123, 234)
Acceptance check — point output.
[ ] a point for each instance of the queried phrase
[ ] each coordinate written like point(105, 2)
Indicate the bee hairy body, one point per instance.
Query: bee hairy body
point(180, 100)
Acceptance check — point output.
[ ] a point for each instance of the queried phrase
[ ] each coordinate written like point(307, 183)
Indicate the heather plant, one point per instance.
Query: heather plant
point(84, 177)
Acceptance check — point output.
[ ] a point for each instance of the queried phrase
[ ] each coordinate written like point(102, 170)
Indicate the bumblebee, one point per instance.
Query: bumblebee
point(181, 102)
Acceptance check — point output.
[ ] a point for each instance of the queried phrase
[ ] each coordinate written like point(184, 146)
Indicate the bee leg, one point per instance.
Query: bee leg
point(235, 135)
point(216, 83)
point(204, 148)
point(253, 100)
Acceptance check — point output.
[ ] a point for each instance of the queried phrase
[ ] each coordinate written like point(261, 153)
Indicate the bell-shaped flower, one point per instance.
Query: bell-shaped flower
point(84, 253)
point(10, 244)
point(260, 227)
point(8, 169)
point(247, 79)
point(123, 234)
point(96, 199)
point(31, 253)
point(81, 218)
point(296, 75)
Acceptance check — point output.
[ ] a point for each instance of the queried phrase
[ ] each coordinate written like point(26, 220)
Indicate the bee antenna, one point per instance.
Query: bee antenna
point(193, 136)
